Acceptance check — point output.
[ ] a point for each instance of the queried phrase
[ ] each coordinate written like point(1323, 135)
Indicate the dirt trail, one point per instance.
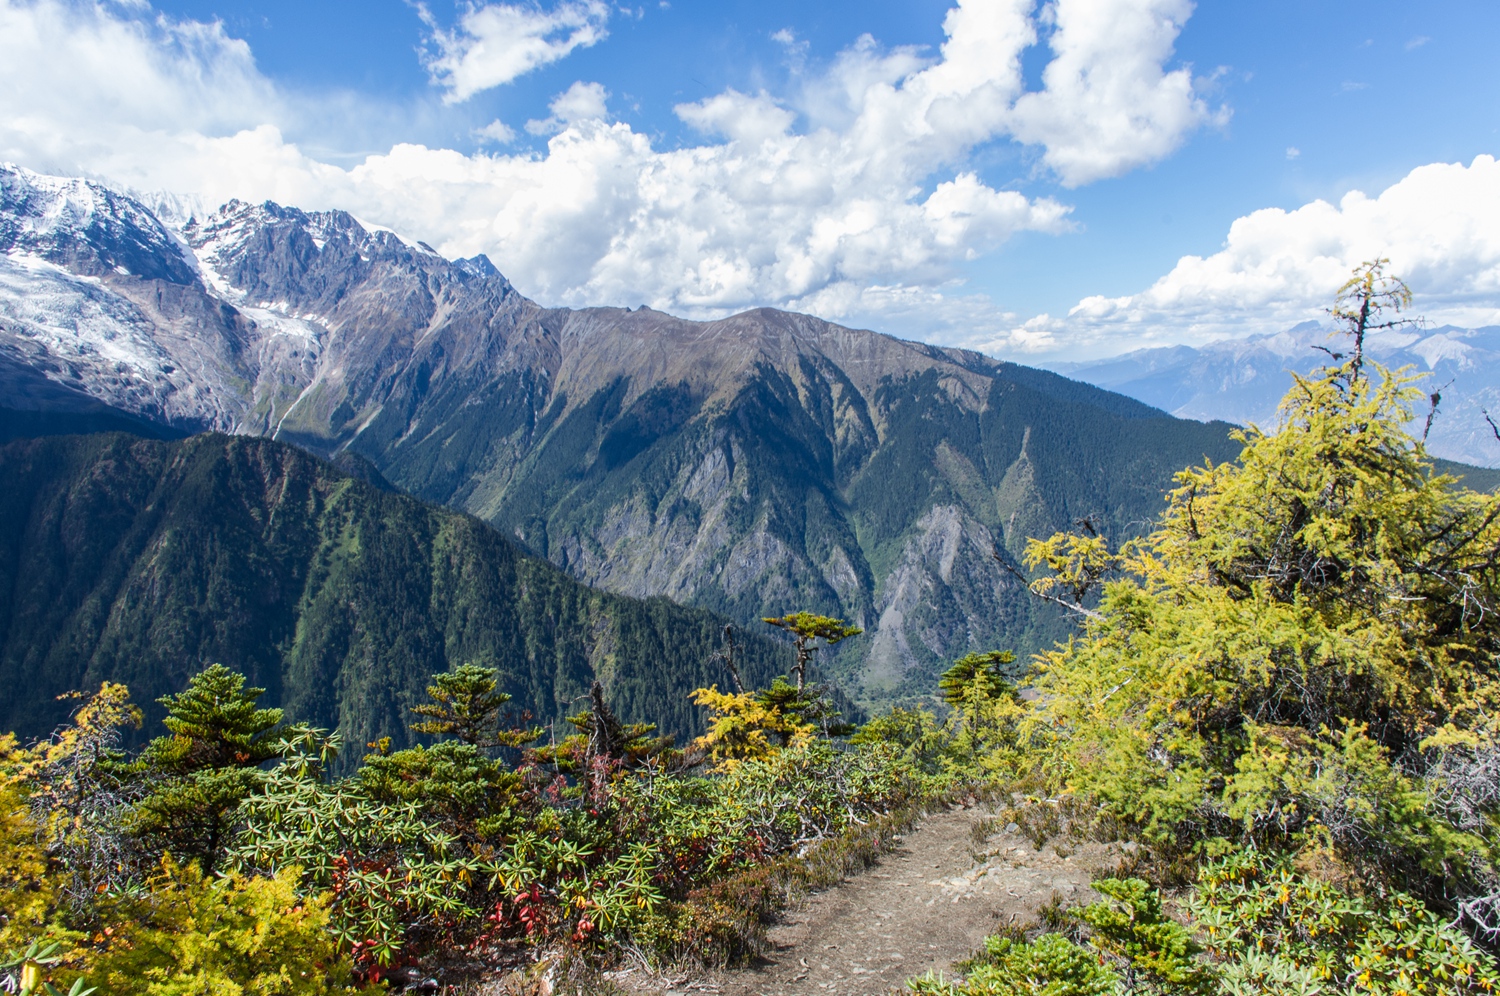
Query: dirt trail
point(924, 906)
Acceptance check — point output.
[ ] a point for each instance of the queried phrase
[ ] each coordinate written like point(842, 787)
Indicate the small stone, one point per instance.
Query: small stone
point(1012, 827)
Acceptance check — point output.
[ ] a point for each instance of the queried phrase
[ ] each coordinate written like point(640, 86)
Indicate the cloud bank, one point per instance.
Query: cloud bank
point(852, 196)
point(1439, 226)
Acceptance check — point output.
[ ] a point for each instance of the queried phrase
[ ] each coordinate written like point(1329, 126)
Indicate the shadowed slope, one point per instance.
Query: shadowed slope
point(140, 561)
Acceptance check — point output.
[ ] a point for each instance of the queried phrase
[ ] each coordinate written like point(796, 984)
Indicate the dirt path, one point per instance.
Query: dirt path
point(926, 905)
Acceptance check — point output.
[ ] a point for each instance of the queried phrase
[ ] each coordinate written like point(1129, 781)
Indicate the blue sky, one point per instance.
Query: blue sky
point(1289, 104)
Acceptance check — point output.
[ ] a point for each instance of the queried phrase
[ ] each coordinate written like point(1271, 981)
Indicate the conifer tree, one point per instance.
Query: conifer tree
point(1305, 654)
point(807, 629)
point(457, 777)
point(466, 706)
point(206, 765)
point(975, 680)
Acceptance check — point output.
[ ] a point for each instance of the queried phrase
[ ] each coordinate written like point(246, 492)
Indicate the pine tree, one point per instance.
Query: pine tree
point(466, 706)
point(207, 764)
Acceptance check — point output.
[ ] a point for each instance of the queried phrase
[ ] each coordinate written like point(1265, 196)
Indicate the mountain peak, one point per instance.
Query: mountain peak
point(86, 228)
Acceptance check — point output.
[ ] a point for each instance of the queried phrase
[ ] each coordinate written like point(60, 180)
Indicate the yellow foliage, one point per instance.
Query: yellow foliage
point(741, 727)
point(236, 936)
point(28, 895)
point(1299, 620)
point(56, 771)
point(107, 709)
point(1078, 564)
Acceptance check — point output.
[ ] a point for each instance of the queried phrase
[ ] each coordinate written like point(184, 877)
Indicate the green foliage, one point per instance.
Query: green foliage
point(807, 628)
point(979, 740)
point(133, 559)
point(465, 705)
point(207, 765)
point(811, 792)
point(215, 723)
point(984, 703)
point(1051, 965)
point(27, 896)
point(807, 707)
point(977, 678)
point(604, 748)
point(1275, 931)
point(390, 868)
point(1266, 930)
point(750, 725)
point(923, 742)
point(1131, 926)
point(235, 936)
point(1077, 566)
point(452, 781)
point(1301, 664)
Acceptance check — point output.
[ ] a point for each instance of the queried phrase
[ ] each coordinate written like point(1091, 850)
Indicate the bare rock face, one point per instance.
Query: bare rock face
point(758, 464)
point(103, 300)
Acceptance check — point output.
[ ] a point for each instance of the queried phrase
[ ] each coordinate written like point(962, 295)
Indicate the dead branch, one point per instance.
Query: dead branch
point(1045, 596)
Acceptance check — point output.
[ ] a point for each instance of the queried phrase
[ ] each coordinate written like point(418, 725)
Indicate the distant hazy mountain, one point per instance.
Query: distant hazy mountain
point(766, 462)
point(137, 560)
point(1243, 380)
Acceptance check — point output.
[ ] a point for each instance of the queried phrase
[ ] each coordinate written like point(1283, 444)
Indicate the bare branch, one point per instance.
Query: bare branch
point(1435, 399)
point(726, 656)
point(1045, 596)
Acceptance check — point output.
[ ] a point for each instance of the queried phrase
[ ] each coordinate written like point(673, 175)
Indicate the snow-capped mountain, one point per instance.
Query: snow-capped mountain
point(221, 324)
point(1243, 380)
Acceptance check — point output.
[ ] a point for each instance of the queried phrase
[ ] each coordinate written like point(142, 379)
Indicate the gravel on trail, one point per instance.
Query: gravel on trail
point(924, 906)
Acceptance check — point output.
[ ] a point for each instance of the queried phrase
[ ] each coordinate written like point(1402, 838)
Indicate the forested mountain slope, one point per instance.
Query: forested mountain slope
point(141, 561)
point(754, 465)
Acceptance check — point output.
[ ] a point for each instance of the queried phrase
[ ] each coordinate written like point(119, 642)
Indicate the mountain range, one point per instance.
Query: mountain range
point(754, 465)
point(1243, 380)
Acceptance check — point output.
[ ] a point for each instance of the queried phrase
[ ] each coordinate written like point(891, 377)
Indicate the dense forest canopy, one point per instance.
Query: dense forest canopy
point(141, 561)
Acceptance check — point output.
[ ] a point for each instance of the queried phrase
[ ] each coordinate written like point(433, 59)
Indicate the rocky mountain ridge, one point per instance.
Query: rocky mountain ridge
point(763, 462)
point(1243, 380)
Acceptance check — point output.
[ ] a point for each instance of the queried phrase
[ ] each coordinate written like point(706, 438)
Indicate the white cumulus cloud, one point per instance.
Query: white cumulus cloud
point(579, 102)
point(1108, 106)
point(70, 70)
point(1439, 226)
point(496, 131)
point(496, 43)
point(851, 196)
